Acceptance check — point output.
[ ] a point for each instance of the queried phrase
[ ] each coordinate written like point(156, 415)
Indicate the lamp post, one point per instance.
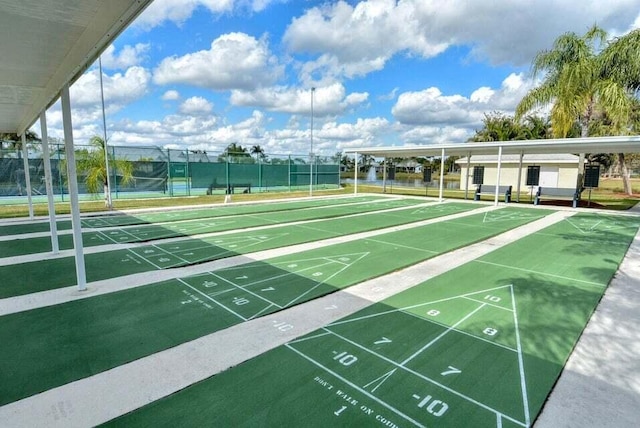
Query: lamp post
point(311, 152)
point(109, 202)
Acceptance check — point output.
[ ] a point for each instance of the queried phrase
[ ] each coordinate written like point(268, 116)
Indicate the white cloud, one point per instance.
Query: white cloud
point(171, 95)
point(119, 89)
point(354, 40)
point(235, 61)
point(196, 106)
point(127, 57)
point(430, 107)
point(178, 11)
point(328, 100)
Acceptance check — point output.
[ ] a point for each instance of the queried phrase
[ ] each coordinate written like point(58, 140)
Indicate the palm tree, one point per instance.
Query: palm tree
point(577, 86)
point(258, 151)
point(92, 164)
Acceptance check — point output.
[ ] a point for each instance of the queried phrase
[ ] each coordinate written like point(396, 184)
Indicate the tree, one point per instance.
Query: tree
point(258, 151)
point(92, 165)
point(578, 86)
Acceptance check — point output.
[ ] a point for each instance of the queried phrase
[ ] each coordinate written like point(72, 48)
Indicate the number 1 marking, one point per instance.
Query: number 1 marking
point(337, 412)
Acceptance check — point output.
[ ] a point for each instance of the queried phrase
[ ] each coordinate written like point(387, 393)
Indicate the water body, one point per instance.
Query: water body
point(448, 184)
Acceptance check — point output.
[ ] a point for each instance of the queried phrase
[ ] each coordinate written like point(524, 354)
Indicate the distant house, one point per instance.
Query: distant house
point(556, 170)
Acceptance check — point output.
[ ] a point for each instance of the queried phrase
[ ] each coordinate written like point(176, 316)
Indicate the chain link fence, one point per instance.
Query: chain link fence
point(151, 172)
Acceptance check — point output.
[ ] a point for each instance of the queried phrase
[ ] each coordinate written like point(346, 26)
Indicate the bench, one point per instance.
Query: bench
point(485, 189)
point(556, 193)
point(229, 188)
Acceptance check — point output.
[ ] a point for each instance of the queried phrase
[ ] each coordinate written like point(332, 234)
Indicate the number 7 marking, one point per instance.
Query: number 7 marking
point(383, 340)
point(451, 370)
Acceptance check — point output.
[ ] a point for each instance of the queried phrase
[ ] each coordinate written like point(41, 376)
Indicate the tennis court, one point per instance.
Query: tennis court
point(481, 344)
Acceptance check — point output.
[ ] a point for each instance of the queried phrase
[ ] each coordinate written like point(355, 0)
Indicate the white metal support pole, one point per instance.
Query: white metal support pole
point(441, 176)
point(73, 188)
point(519, 176)
point(355, 179)
point(495, 202)
point(48, 183)
point(27, 173)
point(466, 185)
point(384, 176)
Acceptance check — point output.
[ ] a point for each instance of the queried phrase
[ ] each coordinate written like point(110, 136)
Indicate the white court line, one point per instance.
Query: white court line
point(441, 335)
point(212, 299)
point(408, 247)
point(247, 291)
point(405, 308)
point(328, 278)
point(473, 336)
point(523, 384)
point(426, 378)
point(540, 273)
point(488, 303)
point(368, 394)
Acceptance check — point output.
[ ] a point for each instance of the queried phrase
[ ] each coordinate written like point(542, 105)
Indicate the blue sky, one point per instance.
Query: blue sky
point(201, 74)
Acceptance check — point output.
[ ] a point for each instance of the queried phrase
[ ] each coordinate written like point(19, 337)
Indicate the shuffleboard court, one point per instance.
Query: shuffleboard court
point(102, 332)
point(24, 278)
point(12, 248)
point(481, 345)
point(163, 216)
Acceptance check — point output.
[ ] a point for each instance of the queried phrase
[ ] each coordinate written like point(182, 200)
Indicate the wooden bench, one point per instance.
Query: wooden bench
point(555, 193)
point(485, 189)
point(229, 188)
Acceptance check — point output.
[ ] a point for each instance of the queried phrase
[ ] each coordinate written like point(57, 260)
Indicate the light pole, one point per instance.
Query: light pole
point(109, 202)
point(313, 89)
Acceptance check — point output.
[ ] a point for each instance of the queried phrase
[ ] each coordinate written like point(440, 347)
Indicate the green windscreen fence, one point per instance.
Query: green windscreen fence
point(148, 172)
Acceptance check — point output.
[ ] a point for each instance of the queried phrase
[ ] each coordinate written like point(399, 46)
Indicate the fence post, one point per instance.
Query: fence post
point(169, 180)
point(259, 174)
point(186, 173)
point(114, 171)
point(289, 173)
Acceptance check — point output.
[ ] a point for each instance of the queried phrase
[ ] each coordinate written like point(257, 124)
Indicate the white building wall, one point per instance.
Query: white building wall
point(567, 175)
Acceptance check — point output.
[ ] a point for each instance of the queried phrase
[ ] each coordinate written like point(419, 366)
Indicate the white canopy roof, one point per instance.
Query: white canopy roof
point(627, 144)
point(46, 44)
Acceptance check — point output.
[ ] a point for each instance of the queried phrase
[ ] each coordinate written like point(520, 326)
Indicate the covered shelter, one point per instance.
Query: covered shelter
point(47, 46)
point(617, 144)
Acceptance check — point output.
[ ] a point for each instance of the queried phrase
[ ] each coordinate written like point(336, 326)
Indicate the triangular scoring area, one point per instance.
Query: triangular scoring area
point(508, 215)
point(467, 343)
point(288, 282)
point(594, 224)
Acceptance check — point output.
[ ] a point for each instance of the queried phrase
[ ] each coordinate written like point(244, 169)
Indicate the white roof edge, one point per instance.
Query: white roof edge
point(85, 51)
point(613, 144)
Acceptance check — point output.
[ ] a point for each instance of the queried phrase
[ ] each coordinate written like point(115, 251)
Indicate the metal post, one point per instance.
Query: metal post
point(169, 181)
point(115, 176)
point(440, 197)
point(53, 227)
point(60, 182)
point(384, 176)
point(495, 202)
point(27, 173)
point(466, 186)
point(289, 173)
point(355, 180)
point(186, 174)
point(519, 176)
point(109, 202)
point(73, 188)
point(311, 152)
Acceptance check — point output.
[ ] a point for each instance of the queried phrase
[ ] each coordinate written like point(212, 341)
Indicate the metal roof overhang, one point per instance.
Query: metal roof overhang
point(46, 44)
point(627, 144)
